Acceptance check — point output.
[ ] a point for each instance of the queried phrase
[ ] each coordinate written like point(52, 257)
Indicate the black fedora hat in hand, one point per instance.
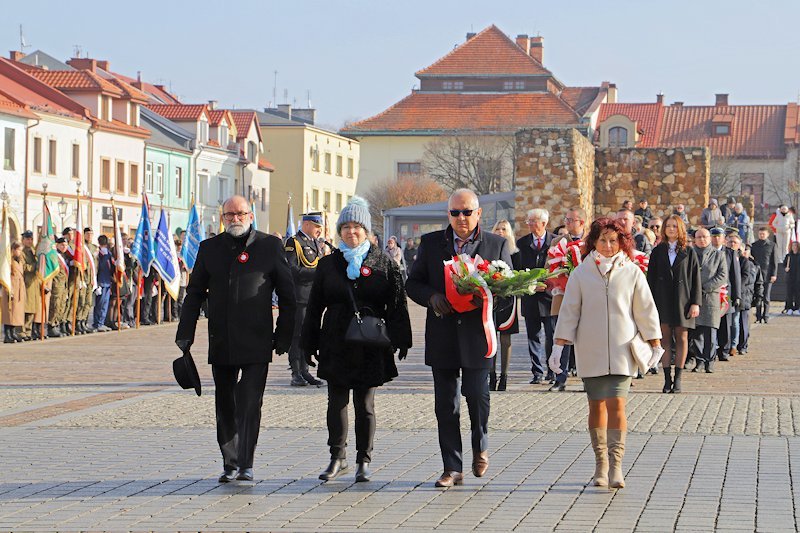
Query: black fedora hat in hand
point(186, 372)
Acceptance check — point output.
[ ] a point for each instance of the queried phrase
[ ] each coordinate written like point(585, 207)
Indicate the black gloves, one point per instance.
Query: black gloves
point(440, 305)
point(183, 344)
point(280, 348)
point(402, 354)
point(310, 359)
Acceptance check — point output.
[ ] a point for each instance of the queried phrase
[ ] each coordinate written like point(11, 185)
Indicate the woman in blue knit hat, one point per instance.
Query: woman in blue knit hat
point(360, 271)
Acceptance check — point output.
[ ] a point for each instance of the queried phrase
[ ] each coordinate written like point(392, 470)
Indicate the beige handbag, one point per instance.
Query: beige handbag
point(641, 352)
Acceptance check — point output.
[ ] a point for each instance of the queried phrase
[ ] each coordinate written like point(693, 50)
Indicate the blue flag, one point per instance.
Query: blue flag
point(194, 234)
point(166, 262)
point(290, 231)
point(143, 248)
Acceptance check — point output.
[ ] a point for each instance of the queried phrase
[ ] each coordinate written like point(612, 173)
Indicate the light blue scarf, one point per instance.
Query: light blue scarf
point(354, 257)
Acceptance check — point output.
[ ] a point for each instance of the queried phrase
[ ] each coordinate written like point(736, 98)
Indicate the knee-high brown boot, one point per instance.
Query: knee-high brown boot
point(600, 447)
point(616, 450)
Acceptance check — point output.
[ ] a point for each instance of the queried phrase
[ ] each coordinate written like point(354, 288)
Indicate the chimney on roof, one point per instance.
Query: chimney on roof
point(524, 43)
point(677, 104)
point(470, 35)
point(537, 49)
point(83, 63)
point(16, 55)
point(308, 115)
point(286, 109)
point(660, 98)
point(721, 99)
point(102, 64)
point(212, 104)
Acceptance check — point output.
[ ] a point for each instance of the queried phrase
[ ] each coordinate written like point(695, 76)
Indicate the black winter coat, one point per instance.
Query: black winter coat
point(734, 279)
point(675, 287)
point(237, 276)
point(535, 305)
point(344, 364)
point(456, 340)
point(792, 262)
point(751, 275)
point(765, 254)
point(302, 271)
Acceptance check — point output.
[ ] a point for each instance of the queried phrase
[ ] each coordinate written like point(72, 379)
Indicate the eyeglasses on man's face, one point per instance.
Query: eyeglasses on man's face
point(230, 216)
point(465, 212)
point(569, 220)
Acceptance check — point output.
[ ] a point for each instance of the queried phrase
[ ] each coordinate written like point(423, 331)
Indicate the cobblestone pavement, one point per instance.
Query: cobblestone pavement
point(96, 436)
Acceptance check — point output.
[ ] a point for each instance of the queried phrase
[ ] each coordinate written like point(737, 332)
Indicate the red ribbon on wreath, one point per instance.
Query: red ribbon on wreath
point(462, 303)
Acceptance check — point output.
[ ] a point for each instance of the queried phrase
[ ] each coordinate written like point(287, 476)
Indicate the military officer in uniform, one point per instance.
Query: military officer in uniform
point(303, 251)
point(59, 292)
point(33, 286)
point(85, 295)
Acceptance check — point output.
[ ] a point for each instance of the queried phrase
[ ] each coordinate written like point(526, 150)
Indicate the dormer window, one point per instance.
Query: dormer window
point(223, 134)
point(453, 85)
point(720, 130)
point(203, 131)
point(617, 137)
point(721, 124)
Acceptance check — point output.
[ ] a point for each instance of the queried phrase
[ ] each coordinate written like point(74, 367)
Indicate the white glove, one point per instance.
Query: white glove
point(658, 351)
point(555, 359)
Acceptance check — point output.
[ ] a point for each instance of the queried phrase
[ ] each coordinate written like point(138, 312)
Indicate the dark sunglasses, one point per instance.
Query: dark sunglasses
point(465, 212)
point(655, 226)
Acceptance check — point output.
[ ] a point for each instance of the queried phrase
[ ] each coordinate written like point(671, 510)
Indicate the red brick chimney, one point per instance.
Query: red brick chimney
point(537, 49)
point(83, 63)
point(15, 55)
point(103, 64)
point(524, 43)
point(722, 99)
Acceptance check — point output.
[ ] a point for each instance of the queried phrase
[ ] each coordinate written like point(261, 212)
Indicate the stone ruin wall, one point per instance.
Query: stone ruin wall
point(558, 169)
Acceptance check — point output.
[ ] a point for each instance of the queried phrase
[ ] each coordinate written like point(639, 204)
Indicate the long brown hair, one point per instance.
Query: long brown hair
point(682, 237)
point(605, 223)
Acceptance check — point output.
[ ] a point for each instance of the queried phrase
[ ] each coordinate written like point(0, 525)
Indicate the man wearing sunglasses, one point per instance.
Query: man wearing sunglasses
point(455, 343)
point(236, 272)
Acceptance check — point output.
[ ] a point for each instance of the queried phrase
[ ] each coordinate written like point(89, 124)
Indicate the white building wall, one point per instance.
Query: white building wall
point(12, 180)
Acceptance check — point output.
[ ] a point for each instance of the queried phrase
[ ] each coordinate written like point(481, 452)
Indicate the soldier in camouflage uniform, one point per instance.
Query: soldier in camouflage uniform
point(85, 297)
point(59, 293)
point(33, 286)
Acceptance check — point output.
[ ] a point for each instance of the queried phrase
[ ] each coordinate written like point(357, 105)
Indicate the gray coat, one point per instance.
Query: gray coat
point(713, 275)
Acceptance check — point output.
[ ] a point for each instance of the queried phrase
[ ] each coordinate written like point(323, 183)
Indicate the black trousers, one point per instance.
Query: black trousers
point(744, 330)
point(540, 343)
point(473, 383)
point(704, 339)
point(297, 360)
point(364, 405)
point(762, 306)
point(724, 334)
point(238, 405)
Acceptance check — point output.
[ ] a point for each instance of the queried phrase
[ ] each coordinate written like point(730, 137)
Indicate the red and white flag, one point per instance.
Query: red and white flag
point(79, 248)
point(119, 254)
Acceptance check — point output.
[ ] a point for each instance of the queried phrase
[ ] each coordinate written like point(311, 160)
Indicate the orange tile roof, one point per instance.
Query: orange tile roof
point(756, 130)
point(118, 126)
point(648, 118)
point(791, 134)
point(243, 121)
point(130, 92)
point(263, 164)
point(18, 85)
point(76, 80)
point(215, 116)
point(156, 93)
point(580, 98)
point(12, 107)
point(490, 52)
point(495, 112)
point(180, 112)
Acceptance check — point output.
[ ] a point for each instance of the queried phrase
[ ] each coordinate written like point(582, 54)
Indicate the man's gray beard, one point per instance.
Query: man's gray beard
point(236, 230)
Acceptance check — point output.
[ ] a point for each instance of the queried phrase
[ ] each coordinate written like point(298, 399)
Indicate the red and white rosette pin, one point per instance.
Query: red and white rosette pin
point(243, 257)
point(366, 271)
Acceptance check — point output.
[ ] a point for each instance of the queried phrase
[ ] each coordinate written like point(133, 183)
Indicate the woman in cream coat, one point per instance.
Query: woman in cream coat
point(607, 302)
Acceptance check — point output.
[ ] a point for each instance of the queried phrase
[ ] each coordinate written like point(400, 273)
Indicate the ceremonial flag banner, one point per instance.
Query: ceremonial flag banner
point(119, 254)
point(166, 262)
point(290, 229)
point(194, 234)
point(46, 252)
point(5, 251)
point(79, 248)
point(143, 248)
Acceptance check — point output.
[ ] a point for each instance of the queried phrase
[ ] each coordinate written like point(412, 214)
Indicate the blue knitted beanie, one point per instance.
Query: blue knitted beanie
point(356, 211)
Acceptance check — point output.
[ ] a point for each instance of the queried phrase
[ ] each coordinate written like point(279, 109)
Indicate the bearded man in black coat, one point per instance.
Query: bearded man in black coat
point(236, 272)
point(455, 343)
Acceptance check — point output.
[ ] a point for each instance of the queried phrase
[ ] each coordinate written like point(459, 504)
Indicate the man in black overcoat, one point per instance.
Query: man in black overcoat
point(303, 251)
point(765, 254)
point(236, 271)
point(455, 343)
point(536, 307)
point(729, 323)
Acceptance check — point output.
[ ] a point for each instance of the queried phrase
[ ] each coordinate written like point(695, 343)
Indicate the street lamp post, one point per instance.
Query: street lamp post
point(62, 210)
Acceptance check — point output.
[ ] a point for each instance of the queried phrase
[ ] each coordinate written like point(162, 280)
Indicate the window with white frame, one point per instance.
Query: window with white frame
point(519, 85)
point(351, 165)
point(203, 130)
point(338, 202)
point(327, 169)
point(178, 182)
point(252, 152)
point(508, 85)
point(222, 188)
point(458, 85)
point(9, 148)
point(52, 157)
point(202, 193)
point(148, 177)
point(339, 164)
point(327, 205)
point(159, 181)
point(315, 198)
point(76, 161)
point(223, 134)
point(617, 137)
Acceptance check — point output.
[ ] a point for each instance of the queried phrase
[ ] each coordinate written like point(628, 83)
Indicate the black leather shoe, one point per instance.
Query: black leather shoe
point(228, 475)
point(537, 380)
point(336, 467)
point(501, 386)
point(311, 380)
point(362, 472)
point(245, 474)
point(298, 381)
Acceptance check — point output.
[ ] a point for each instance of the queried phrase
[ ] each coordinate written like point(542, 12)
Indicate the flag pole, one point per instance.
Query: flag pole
point(44, 306)
point(79, 271)
point(138, 297)
point(117, 246)
point(160, 303)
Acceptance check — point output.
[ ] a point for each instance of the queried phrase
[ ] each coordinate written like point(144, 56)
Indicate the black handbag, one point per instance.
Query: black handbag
point(366, 330)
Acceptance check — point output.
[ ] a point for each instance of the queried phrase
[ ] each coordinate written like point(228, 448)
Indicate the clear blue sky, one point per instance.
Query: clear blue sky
point(358, 57)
